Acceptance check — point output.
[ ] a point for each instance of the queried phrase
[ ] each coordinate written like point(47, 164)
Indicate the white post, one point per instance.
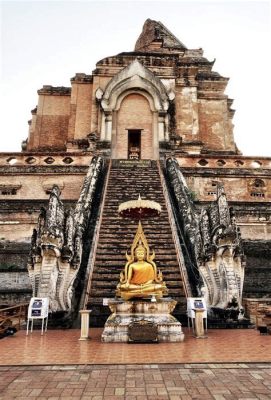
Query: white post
point(84, 324)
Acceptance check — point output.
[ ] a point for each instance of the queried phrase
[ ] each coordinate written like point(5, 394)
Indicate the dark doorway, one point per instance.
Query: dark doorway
point(134, 144)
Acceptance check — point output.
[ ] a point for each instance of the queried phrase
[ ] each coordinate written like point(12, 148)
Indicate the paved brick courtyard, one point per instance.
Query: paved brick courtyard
point(137, 382)
point(229, 364)
point(63, 347)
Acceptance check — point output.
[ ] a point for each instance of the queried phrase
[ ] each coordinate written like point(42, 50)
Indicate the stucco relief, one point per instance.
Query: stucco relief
point(135, 78)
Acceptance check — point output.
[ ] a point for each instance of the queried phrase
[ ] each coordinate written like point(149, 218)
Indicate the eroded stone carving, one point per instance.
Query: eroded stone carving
point(214, 242)
point(57, 243)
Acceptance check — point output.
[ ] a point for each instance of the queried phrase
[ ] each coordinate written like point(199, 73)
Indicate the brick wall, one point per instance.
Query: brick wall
point(257, 281)
point(81, 106)
point(35, 186)
point(135, 113)
point(51, 123)
point(237, 188)
point(256, 309)
point(214, 126)
point(187, 113)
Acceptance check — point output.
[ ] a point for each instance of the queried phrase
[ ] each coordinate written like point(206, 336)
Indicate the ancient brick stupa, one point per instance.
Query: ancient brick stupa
point(154, 121)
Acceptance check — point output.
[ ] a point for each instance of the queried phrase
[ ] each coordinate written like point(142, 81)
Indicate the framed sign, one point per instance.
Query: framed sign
point(38, 309)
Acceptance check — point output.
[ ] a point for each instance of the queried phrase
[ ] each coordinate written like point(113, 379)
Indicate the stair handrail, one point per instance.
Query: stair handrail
point(21, 314)
point(95, 241)
point(176, 239)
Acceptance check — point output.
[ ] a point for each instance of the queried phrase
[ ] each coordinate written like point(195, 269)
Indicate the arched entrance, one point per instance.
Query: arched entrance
point(134, 108)
point(133, 136)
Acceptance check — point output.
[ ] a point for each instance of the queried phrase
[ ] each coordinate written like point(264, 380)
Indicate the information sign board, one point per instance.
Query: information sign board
point(38, 309)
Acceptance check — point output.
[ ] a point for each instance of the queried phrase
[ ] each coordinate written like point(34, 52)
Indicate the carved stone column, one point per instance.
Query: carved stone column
point(108, 126)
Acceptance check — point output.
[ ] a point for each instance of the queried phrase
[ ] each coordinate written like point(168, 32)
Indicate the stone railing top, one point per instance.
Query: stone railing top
point(83, 159)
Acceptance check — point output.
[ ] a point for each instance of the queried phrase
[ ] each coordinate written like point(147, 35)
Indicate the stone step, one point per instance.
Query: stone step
point(113, 283)
point(114, 219)
point(121, 253)
point(116, 245)
point(119, 200)
point(117, 234)
point(121, 249)
point(148, 228)
point(113, 263)
point(117, 269)
point(111, 292)
point(151, 235)
point(170, 276)
point(102, 273)
point(166, 261)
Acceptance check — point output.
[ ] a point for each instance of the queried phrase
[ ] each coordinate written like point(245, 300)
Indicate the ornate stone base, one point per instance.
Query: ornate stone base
point(125, 313)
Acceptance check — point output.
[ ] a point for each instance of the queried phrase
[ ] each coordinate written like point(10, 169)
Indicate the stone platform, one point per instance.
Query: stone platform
point(142, 312)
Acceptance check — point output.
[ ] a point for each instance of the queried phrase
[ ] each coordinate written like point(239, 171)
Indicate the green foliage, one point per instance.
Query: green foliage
point(193, 195)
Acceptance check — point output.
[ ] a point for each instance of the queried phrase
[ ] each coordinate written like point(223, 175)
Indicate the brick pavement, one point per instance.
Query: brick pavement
point(58, 366)
point(137, 382)
point(63, 347)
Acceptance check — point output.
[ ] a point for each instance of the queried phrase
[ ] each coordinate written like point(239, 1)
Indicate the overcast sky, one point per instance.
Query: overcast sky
point(47, 42)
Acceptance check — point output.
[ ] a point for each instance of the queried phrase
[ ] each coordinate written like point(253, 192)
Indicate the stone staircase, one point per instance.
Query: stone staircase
point(126, 182)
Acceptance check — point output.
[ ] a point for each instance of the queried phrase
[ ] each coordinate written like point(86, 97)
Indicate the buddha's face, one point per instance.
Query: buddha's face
point(140, 253)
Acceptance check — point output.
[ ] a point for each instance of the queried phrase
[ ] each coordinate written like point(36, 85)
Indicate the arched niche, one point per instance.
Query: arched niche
point(134, 80)
point(133, 132)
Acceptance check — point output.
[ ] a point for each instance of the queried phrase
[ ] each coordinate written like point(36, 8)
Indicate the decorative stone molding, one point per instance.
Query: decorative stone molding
point(48, 185)
point(55, 90)
point(82, 78)
point(257, 188)
point(9, 189)
point(135, 76)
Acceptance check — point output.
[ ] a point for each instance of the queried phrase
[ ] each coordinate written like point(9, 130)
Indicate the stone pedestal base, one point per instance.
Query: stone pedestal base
point(125, 313)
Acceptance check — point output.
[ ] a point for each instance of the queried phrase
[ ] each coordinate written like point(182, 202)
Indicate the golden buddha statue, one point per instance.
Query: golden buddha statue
point(140, 277)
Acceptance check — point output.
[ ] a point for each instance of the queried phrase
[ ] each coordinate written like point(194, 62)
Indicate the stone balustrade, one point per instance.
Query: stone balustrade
point(45, 159)
point(224, 162)
point(75, 158)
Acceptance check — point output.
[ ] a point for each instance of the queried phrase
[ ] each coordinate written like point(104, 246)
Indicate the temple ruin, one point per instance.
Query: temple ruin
point(154, 122)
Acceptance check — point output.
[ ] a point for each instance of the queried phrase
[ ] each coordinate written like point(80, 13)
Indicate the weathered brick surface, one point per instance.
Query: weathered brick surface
point(150, 382)
point(213, 125)
point(52, 131)
point(257, 281)
point(51, 124)
point(83, 100)
point(35, 186)
point(257, 309)
point(187, 113)
point(236, 186)
point(134, 113)
point(13, 256)
point(202, 109)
